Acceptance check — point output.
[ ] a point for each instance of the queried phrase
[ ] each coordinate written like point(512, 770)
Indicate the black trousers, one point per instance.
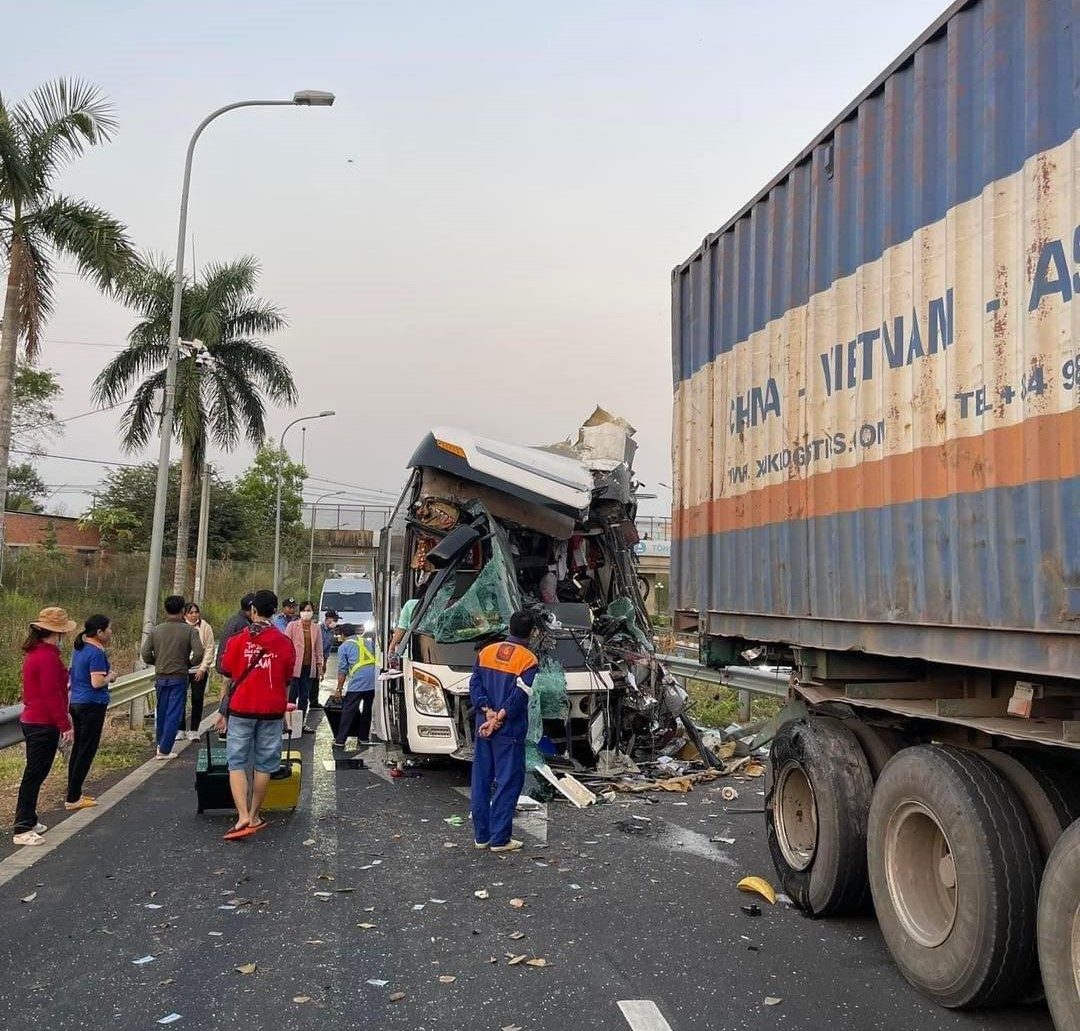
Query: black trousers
point(41, 742)
point(198, 693)
point(88, 720)
point(356, 707)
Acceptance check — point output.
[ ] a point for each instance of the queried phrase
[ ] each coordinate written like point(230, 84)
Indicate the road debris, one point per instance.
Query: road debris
point(517, 903)
point(454, 821)
point(483, 893)
point(538, 962)
point(397, 996)
point(143, 960)
point(759, 886)
point(516, 960)
point(772, 1000)
point(752, 910)
point(246, 968)
point(366, 927)
point(300, 999)
point(447, 978)
point(517, 935)
point(377, 982)
point(172, 1018)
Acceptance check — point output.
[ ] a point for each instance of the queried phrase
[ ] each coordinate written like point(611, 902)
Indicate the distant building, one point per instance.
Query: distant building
point(39, 532)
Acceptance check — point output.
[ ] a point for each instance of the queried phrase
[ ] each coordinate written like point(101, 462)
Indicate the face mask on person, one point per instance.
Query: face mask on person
point(306, 616)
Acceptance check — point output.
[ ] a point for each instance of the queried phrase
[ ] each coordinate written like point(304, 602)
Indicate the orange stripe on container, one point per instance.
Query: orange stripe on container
point(1045, 447)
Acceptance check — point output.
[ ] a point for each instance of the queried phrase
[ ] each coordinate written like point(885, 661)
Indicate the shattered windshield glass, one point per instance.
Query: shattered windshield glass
point(483, 610)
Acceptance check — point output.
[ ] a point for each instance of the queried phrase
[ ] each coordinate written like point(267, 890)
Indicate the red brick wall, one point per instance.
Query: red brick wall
point(25, 529)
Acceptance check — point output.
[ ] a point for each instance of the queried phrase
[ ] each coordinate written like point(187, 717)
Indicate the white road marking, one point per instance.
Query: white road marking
point(643, 1015)
point(28, 855)
point(534, 823)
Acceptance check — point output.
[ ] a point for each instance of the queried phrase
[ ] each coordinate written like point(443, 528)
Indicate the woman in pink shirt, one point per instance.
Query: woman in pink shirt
point(45, 720)
point(307, 670)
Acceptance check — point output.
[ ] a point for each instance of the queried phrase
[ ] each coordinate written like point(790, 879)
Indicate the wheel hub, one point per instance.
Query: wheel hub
point(1076, 949)
point(795, 816)
point(921, 874)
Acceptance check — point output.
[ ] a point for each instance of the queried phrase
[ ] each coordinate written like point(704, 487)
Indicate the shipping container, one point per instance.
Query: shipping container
point(876, 457)
point(877, 385)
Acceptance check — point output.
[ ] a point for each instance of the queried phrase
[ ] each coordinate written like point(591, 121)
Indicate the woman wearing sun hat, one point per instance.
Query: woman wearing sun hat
point(45, 720)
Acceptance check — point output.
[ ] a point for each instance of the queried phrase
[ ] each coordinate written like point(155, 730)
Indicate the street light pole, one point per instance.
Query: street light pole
point(311, 549)
point(304, 98)
point(277, 506)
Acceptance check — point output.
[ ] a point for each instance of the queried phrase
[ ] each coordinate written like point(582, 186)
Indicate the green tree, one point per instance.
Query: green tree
point(33, 413)
point(220, 387)
point(125, 502)
point(256, 490)
point(25, 487)
point(39, 137)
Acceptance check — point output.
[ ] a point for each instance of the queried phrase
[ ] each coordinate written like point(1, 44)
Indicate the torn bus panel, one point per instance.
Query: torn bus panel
point(551, 529)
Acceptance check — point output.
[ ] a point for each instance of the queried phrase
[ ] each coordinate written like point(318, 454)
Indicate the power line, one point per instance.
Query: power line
point(73, 458)
point(356, 486)
point(94, 411)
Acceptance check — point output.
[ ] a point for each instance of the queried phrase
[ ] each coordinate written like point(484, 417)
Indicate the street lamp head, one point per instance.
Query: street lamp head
point(323, 415)
point(313, 98)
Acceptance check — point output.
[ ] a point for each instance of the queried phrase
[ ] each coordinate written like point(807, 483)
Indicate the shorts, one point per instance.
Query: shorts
point(253, 743)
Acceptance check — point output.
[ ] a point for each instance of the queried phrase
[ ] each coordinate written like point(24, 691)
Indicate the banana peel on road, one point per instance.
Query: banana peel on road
point(758, 886)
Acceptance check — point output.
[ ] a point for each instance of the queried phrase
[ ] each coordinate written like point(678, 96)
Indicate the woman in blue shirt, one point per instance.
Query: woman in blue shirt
point(90, 680)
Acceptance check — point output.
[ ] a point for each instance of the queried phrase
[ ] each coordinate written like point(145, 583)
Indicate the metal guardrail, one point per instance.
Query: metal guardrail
point(752, 679)
point(125, 690)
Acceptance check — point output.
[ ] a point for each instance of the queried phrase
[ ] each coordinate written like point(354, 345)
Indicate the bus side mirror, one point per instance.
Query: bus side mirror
point(457, 541)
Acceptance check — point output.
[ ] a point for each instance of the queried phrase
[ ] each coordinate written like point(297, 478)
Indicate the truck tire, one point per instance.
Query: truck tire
point(1059, 931)
point(1048, 795)
point(879, 744)
point(954, 871)
point(816, 812)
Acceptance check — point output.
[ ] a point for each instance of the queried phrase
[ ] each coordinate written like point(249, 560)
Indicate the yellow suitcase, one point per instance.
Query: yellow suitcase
point(284, 790)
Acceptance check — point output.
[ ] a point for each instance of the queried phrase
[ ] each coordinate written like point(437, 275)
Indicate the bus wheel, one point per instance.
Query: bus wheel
point(816, 813)
point(954, 871)
point(1059, 931)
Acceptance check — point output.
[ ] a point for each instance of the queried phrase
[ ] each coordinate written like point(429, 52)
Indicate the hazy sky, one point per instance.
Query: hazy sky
point(481, 231)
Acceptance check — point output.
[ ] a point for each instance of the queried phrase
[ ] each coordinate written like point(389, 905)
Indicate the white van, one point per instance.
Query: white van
point(352, 598)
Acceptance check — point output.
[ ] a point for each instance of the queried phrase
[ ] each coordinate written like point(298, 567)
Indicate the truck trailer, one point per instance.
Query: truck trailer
point(877, 481)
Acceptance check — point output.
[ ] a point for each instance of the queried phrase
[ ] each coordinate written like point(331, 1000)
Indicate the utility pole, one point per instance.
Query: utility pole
point(201, 547)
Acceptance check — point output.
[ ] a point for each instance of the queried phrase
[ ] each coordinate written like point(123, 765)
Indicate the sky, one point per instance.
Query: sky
point(481, 231)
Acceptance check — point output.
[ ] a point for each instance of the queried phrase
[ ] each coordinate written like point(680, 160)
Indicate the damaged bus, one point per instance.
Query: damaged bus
point(484, 528)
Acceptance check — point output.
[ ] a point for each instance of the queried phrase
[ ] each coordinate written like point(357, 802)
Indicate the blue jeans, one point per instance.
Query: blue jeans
point(498, 775)
point(253, 743)
point(171, 699)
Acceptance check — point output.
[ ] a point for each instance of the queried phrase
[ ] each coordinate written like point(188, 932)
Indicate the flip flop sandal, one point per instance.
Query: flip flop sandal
point(239, 832)
point(260, 826)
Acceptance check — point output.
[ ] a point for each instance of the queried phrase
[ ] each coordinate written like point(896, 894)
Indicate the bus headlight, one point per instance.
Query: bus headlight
point(428, 695)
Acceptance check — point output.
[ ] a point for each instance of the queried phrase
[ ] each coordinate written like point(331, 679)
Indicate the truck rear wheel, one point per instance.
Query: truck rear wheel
point(954, 871)
point(816, 814)
point(1059, 931)
point(879, 744)
point(1047, 792)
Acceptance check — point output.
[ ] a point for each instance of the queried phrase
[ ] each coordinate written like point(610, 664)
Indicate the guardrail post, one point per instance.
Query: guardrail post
point(137, 713)
point(744, 706)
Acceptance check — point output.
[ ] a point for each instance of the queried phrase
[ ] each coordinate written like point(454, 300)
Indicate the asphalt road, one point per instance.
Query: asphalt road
point(618, 908)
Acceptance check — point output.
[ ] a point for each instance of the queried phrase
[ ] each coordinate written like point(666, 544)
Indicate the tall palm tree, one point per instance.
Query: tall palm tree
point(219, 389)
point(39, 137)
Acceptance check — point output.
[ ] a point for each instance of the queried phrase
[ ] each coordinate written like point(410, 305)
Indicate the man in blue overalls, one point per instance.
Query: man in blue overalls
point(357, 675)
point(499, 689)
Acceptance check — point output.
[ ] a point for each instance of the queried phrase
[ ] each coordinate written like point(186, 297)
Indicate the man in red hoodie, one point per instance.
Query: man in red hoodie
point(259, 662)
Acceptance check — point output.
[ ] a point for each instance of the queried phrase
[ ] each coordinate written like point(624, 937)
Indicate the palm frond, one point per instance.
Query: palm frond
point(16, 180)
point(33, 275)
point(63, 117)
point(140, 419)
point(90, 236)
point(116, 379)
point(251, 411)
point(263, 366)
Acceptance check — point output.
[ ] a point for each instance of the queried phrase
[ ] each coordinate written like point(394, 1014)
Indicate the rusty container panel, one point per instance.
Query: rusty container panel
point(877, 367)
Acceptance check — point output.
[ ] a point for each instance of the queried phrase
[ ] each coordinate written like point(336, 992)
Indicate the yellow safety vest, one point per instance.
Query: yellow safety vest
point(365, 659)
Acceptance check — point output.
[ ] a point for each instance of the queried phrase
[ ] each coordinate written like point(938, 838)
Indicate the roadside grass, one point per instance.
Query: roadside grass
point(714, 706)
point(121, 749)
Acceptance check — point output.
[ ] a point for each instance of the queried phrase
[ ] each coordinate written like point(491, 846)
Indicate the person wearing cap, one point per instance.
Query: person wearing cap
point(357, 675)
point(286, 615)
point(327, 628)
point(45, 719)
